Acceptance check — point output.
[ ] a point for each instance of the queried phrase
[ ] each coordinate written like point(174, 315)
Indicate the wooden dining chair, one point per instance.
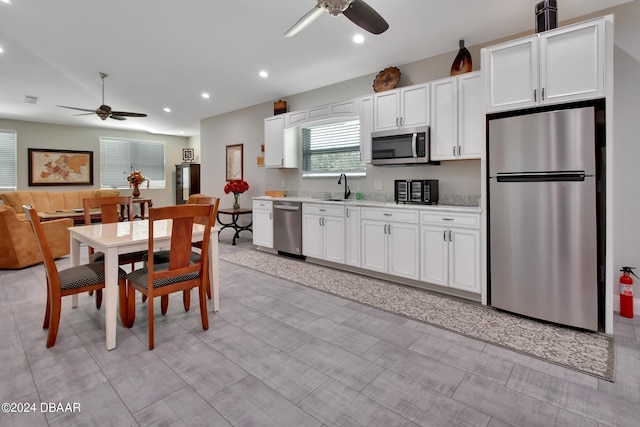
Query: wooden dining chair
point(180, 273)
point(110, 212)
point(74, 280)
point(161, 257)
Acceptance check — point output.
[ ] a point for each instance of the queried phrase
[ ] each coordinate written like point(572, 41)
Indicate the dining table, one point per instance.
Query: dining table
point(132, 236)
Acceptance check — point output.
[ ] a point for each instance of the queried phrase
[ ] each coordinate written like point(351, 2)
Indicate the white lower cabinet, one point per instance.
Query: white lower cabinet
point(352, 236)
point(263, 223)
point(323, 232)
point(390, 241)
point(450, 250)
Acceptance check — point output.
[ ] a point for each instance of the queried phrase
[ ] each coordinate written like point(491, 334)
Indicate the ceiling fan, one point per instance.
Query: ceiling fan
point(357, 11)
point(104, 111)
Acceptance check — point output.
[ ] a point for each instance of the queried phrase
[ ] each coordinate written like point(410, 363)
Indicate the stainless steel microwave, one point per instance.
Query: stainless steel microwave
point(400, 147)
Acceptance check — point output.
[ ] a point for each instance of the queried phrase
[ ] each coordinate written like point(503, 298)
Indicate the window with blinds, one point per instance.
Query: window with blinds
point(332, 149)
point(118, 157)
point(8, 160)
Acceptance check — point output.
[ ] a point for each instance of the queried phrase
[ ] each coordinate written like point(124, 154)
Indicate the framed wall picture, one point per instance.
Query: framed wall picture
point(234, 162)
point(60, 167)
point(188, 155)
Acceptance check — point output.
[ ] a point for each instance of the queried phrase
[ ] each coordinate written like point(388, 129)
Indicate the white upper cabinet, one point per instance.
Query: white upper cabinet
point(295, 118)
point(366, 126)
point(279, 144)
point(457, 117)
point(401, 108)
point(555, 66)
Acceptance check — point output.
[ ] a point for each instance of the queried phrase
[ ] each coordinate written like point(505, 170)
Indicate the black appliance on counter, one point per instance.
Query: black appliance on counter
point(420, 191)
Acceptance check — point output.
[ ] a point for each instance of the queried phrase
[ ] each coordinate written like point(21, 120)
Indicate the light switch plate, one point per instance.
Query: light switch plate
point(378, 184)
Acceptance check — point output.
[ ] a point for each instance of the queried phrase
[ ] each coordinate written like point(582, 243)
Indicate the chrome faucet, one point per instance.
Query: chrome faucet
point(347, 192)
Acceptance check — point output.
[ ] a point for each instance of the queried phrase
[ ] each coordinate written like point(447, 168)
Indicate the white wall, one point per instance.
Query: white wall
point(48, 136)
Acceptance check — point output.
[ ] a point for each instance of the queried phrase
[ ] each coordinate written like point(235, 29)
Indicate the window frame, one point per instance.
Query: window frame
point(325, 125)
point(8, 161)
point(157, 179)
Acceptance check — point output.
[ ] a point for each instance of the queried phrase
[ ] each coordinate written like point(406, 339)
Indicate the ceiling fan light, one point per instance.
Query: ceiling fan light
point(336, 7)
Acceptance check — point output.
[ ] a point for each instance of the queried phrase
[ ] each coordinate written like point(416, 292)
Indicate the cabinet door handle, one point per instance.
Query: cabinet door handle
point(449, 235)
point(542, 94)
point(454, 150)
point(397, 125)
point(444, 235)
point(385, 229)
point(535, 95)
point(459, 150)
point(270, 215)
point(347, 212)
point(389, 229)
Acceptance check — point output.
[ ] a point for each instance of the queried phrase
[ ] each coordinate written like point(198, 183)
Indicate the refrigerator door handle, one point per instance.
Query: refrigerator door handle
point(541, 176)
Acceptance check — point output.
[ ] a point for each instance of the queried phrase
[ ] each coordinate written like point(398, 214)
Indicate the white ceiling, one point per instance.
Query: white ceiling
point(161, 53)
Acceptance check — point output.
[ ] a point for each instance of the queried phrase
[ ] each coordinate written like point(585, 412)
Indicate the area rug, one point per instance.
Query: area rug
point(590, 353)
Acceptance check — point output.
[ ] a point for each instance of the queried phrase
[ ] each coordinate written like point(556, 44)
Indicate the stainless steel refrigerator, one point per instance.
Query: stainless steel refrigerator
point(544, 223)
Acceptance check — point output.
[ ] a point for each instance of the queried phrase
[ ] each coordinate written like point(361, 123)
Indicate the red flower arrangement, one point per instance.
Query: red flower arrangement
point(136, 178)
point(238, 186)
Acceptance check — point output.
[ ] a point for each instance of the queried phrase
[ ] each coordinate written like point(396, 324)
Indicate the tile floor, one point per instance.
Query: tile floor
point(280, 354)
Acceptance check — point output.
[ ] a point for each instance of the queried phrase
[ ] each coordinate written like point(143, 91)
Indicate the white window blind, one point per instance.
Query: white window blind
point(332, 149)
point(119, 156)
point(8, 160)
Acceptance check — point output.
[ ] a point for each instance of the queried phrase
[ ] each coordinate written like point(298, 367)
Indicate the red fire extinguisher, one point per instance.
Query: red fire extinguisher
point(626, 292)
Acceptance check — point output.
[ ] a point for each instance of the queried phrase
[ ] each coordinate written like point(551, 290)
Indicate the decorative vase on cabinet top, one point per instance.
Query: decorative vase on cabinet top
point(462, 63)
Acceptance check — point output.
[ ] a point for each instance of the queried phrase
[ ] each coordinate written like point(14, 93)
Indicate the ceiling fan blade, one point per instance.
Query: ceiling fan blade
point(127, 114)
point(79, 109)
point(114, 117)
point(85, 114)
point(304, 21)
point(364, 16)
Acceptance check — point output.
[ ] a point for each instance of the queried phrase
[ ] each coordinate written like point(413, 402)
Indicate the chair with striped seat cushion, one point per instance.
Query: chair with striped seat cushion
point(110, 212)
point(180, 273)
point(74, 280)
point(162, 257)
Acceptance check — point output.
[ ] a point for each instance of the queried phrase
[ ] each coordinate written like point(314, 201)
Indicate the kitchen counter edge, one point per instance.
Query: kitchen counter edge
point(374, 203)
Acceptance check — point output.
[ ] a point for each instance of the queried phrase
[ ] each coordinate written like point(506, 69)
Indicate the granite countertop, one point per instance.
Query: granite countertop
point(375, 203)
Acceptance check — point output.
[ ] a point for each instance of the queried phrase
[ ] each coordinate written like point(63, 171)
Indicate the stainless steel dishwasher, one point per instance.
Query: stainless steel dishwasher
point(287, 227)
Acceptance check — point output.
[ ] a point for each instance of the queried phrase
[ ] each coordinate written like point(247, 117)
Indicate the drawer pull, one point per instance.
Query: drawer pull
point(322, 210)
point(447, 219)
point(387, 214)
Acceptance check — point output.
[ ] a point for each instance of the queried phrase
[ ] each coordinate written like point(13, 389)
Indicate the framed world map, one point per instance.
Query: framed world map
point(60, 167)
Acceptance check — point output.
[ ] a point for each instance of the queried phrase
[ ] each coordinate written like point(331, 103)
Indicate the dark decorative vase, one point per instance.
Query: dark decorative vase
point(462, 63)
point(136, 191)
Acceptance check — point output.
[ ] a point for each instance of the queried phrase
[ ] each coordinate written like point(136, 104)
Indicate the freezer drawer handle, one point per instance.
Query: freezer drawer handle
point(541, 177)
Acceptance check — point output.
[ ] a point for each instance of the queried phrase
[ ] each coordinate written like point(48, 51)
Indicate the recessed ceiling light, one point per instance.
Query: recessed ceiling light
point(263, 74)
point(205, 95)
point(358, 38)
point(6, 1)
point(1, 49)
point(166, 109)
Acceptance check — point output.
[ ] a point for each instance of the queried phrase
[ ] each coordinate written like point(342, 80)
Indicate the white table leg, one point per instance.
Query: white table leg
point(111, 296)
point(213, 270)
point(75, 261)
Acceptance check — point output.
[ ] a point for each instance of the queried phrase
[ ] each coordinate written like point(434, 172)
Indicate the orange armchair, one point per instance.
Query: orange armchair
point(18, 246)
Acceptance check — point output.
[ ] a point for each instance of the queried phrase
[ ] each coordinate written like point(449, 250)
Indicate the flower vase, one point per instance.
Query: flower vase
point(136, 191)
point(236, 205)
